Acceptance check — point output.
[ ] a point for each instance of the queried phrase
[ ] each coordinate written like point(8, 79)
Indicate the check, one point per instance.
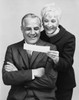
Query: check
point(37, 48)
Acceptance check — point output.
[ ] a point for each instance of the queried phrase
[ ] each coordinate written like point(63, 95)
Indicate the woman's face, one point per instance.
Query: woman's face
point(50, 23)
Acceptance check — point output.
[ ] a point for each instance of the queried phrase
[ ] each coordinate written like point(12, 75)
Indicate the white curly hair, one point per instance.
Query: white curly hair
point(56, 11)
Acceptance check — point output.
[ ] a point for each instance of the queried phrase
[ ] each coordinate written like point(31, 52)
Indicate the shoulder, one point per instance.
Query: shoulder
point(70, 37)
point(16, 45)
point(52, 46)
point(66, 34)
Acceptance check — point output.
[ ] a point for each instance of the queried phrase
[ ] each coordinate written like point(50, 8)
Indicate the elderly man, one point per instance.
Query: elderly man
point(30, 73)
point(65, 41)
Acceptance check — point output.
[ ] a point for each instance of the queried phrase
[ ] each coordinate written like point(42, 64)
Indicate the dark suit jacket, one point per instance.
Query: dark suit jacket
point(22, 85)
point(65, 43)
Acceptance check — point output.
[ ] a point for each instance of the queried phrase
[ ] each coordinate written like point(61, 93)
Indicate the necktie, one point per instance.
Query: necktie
point(29, 52)
point(29, 56)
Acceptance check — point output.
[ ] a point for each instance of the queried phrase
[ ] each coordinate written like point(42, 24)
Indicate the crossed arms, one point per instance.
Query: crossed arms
point(13, 76)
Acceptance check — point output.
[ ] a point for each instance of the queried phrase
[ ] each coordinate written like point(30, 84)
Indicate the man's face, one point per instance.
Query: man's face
point(31, 30)
point(50, 23)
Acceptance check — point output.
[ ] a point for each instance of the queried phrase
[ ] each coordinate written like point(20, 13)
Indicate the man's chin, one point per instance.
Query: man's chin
point(32, 41)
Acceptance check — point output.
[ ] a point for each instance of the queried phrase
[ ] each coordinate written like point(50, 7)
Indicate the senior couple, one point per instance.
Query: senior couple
point(35, 75)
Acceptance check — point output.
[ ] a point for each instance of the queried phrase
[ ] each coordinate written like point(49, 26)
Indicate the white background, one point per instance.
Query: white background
point(11, 12)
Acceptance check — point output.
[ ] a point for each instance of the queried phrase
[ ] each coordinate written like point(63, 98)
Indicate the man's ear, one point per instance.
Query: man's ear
point(21, 28)
point(42, 27)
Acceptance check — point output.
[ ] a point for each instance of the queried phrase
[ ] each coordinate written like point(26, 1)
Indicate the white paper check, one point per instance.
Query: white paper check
point(37, 48)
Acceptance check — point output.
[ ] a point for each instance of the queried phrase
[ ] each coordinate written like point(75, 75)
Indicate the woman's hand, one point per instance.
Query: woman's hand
point(54, 55)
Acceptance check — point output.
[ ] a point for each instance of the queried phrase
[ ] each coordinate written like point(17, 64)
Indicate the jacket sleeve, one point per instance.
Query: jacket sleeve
point(48, 81)
point(14, 77)
point(66, 56)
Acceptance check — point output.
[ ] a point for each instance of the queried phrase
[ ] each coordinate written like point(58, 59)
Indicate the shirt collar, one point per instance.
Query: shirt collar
point(57, 31)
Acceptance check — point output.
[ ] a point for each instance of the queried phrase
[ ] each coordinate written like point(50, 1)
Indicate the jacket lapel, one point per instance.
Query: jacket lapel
point(36, 54)
point(24, 55)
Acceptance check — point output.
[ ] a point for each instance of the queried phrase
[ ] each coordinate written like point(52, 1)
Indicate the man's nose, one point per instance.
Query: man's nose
point(32, 31)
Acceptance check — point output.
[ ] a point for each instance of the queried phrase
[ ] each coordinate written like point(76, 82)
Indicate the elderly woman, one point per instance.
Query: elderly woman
point(65, 41)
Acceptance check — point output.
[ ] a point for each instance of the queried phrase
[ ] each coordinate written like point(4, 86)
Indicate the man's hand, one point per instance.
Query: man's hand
point(10, 67)
point(39, 72)
point(54, 55)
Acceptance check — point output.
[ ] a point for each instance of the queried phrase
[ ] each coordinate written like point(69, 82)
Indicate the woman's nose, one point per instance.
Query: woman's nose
point(49, 24)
